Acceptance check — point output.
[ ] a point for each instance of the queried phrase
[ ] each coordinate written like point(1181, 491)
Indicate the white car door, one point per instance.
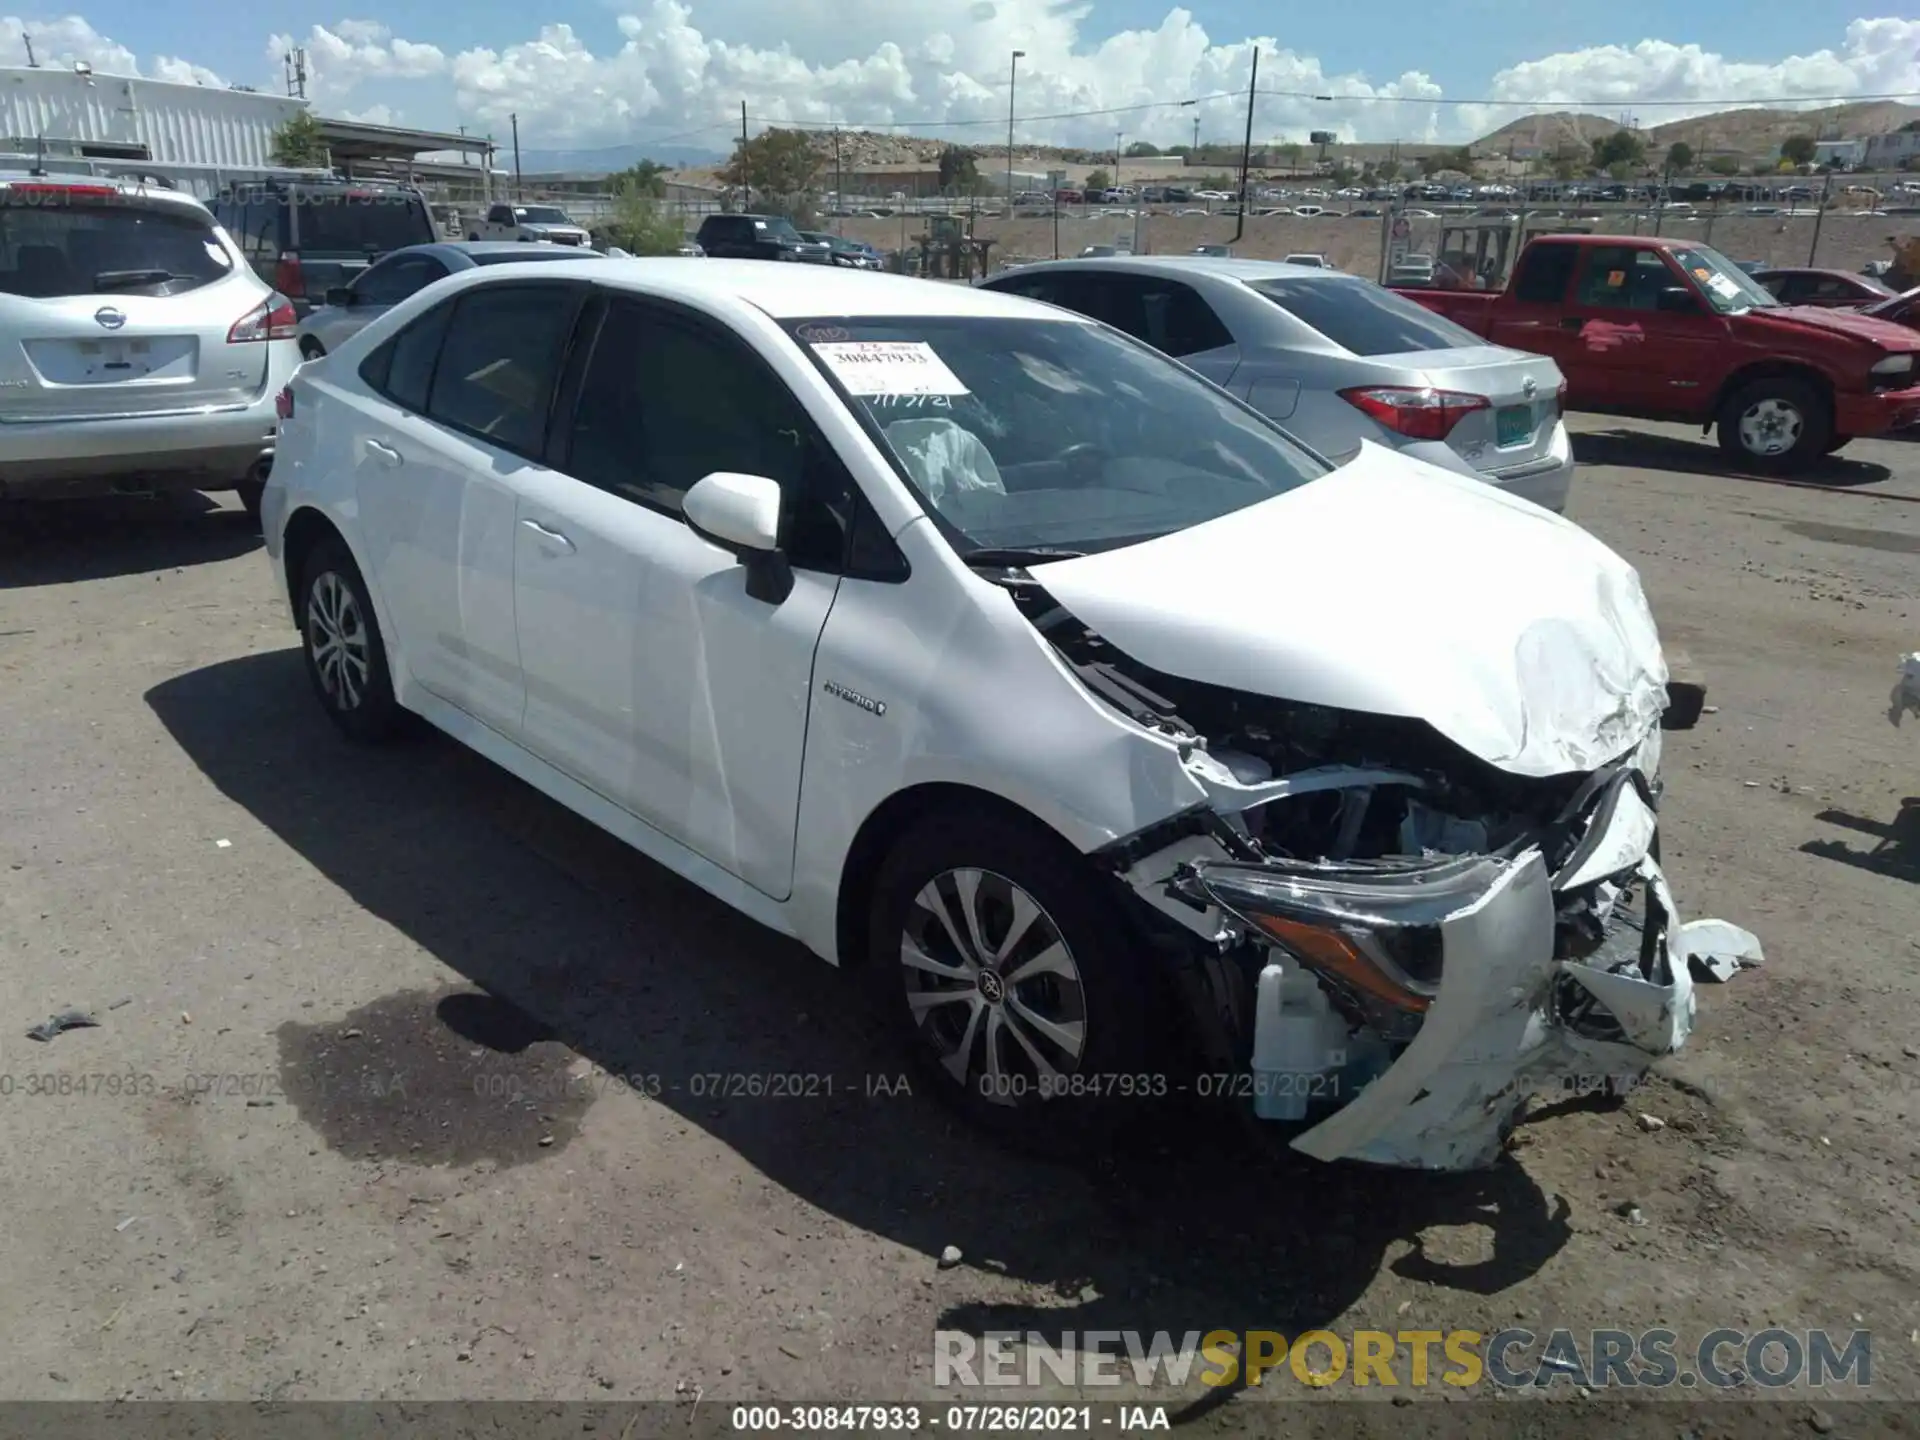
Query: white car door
point(471, 382)
point(652, 676)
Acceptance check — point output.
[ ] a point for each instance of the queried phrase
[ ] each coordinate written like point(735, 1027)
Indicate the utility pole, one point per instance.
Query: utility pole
point(839, 193)
point(1013, 71)
point(1246, 152)
point(1117, 137)
point(514, 120)
point(1826, 190)
point(27, 40)
point(746, 190)
point(1196, 140)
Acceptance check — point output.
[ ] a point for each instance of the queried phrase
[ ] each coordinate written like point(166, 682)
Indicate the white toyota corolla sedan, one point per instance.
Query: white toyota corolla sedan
point(1124, 745)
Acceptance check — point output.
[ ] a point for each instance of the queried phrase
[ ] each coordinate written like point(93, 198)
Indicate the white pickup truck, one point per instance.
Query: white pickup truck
point(529, 222)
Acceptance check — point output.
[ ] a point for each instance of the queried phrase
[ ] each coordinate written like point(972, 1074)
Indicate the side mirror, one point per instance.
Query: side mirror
point(741, 514)
point(339, 295)
point(1678, 300)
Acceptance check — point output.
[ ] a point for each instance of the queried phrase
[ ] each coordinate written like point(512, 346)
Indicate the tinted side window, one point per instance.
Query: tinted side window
point(1623, 279)
point(1169, 316)
point(666, 400)
point(1544, 273)
point(394, 280)
point(402, 369)
point(499, 362)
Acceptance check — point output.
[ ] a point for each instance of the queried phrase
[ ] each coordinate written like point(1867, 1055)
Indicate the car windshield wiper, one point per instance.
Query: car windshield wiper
point(1003, 555)
point(126, 279)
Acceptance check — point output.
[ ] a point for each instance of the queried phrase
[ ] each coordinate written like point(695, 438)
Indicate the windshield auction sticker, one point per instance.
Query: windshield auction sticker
point(889, 367)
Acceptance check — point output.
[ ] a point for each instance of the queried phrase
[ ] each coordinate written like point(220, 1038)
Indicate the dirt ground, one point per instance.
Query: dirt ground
point(1846, 241)
point(343, 1128)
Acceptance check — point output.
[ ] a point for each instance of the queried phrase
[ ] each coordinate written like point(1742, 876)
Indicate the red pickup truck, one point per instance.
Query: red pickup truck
point(1664, 329)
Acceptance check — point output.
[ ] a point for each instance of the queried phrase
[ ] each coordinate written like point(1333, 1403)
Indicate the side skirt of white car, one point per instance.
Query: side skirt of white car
point(591, 805)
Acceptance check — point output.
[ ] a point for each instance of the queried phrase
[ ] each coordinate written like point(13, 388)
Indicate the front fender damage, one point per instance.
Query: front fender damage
point(1455, 986)
point(1400, 938)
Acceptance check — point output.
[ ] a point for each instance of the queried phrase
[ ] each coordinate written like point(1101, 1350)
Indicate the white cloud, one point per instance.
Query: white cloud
point(184, 72)
point(1876, 57)
point(63, 42)
point(372, 115)
point(342, 57)
point(943, 71)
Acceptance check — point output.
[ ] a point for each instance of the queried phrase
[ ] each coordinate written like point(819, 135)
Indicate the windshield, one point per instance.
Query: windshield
point(53, 245)
point(543, 215)
point(359, 223)
point(1727, 288)
point(1051, 433)
point(777, 226)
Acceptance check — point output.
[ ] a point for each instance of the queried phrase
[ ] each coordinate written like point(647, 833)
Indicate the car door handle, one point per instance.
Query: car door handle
point(552, 537)
point(385, 453)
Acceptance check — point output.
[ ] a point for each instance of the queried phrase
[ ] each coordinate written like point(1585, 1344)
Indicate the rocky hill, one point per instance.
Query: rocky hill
point(1744, 132)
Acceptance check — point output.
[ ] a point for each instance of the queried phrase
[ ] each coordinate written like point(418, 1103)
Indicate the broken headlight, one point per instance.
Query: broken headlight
point(1372, 927)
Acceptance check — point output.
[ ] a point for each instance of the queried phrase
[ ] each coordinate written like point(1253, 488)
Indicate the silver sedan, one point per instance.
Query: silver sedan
point(403, 273)
point(1335, 359)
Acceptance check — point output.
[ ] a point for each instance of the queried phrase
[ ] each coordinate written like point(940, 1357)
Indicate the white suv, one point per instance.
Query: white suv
point(138, 349)
point(992, 653)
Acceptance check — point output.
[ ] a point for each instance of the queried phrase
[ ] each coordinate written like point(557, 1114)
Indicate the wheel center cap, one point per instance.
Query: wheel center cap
point(992, 988)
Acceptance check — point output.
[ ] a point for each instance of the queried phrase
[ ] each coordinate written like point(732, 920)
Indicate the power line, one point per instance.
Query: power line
point(1546, 105)
point(1542, 106)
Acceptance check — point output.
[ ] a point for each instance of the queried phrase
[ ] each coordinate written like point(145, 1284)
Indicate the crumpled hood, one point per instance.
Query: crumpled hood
point(1887, 334)
point(1391, 587)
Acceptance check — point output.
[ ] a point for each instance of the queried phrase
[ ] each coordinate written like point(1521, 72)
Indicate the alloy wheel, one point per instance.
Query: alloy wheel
point(992, 986)
point(338, 641)
point(1770, 427)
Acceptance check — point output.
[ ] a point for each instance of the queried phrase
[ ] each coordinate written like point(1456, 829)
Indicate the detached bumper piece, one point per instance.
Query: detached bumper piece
point(1427, 998)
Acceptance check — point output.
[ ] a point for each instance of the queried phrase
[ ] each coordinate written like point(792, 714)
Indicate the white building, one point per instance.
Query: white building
point(1846, 153)
point(1890, 152)
point(119, 117)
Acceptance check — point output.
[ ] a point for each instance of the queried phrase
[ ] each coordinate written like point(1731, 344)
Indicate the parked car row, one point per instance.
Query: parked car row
point(755, 569)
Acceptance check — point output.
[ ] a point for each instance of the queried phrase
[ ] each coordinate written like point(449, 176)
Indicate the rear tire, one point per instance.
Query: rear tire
point(311, 349)
point(250, 492)
point(340, 637)
point(1835, 442)
point(1777, 424)
point(1019, 994)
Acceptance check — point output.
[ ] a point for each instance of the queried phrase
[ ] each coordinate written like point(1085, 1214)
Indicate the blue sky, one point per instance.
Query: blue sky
point(583, 72)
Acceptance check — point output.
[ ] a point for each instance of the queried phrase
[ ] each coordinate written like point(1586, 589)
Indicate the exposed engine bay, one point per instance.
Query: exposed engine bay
point(1400, 940)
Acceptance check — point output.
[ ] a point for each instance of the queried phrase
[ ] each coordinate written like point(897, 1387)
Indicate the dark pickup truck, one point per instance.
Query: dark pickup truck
point(1665, 329)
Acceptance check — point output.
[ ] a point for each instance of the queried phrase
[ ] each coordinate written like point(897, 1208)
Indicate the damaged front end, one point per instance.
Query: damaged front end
point(1396, 942)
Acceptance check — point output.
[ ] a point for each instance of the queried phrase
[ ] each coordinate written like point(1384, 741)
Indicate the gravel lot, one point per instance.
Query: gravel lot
point(322, 976)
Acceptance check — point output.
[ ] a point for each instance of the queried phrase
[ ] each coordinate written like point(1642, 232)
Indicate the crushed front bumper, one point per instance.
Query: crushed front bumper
point(1522, 1004)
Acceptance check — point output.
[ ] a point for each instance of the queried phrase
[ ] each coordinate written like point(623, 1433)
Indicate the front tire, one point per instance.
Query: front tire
point(1020, 995)
point(346, 658)
point(1776, 424)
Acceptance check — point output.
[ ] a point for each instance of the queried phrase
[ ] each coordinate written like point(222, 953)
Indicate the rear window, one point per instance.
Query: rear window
point(1364, 319)
point(52, 246)
point(359, 222)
